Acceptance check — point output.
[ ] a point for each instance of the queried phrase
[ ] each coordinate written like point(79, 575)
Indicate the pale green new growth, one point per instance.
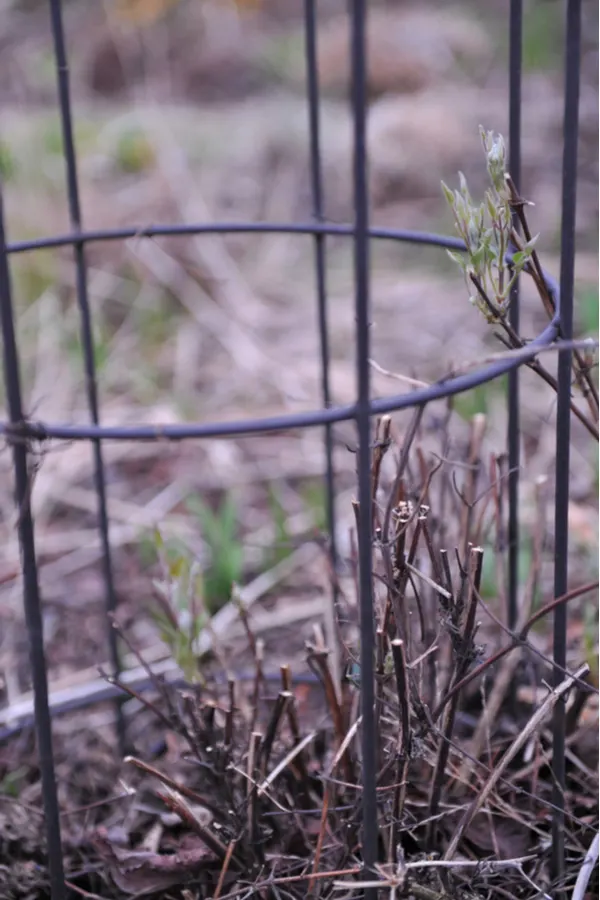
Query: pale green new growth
point(485, 229)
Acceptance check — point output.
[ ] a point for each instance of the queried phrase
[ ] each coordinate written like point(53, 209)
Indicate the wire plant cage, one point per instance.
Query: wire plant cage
point(27, 436)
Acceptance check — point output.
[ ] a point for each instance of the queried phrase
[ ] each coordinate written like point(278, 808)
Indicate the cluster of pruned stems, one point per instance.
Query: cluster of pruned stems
point(499, 247)
point(285, 801)
point(426, 628)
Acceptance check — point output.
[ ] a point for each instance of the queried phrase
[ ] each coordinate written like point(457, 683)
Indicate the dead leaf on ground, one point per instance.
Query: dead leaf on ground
point(143, 872)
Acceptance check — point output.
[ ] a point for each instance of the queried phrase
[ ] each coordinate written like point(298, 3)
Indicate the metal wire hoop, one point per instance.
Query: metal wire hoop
point(393, 403)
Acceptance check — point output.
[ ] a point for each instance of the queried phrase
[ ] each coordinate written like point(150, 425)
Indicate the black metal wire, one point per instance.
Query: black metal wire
point(31, 592)
point(44, 431)
point(87, 340)
point(312, 73)
point(513, 440)
point(394, 403)
point(563, 415)
point(307, 228)
point(369, 737)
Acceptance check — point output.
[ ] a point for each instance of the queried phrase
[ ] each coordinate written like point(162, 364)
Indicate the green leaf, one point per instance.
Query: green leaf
point(529, 246)
point(458, 258)
point(461, 211)
point(464, 189)
point(158, 539)
point(479, 216)
point(478, 258)
point(449, 195)
point(219, 530)
point(492, 206)
point(282, 543)
point(177, 567)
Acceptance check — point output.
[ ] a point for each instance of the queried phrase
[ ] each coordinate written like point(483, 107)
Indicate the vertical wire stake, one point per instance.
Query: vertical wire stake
point(316, 174)
point(62, 72)
point(31, 591)
point(363, 411)
point(514, 167)
point(563, 421)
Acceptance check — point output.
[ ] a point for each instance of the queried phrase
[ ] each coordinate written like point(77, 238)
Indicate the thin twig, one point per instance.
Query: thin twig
point(521, 739)
point(585, 873)
point(224, 868)
point(517, 640)
point(582, 374)
point(285, 762)
point(176, 804)
point(463, 656)
point(504, 677)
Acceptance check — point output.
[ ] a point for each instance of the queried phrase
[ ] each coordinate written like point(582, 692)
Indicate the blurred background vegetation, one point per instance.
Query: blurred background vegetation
point(188, 111)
